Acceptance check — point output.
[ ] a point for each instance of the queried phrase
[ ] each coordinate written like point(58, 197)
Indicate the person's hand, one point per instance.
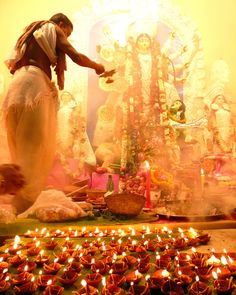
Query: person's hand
point(99, 69)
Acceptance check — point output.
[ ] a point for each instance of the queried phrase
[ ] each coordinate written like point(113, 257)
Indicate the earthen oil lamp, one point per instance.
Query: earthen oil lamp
point(159, 277)
point(115, 279)
point(45, 280)
point(17, 259)
point(87, 260)
point(223, 286)
point(5, 285)
point(93, 279)
point(62, 256)
point(130, 260)
point(51, 245)
point(91, 250)
point(4, 273)
point(68, 277)
point(86, 289)
point(41, 259)
point(183, 259)
point(111, 289)
point(134, 276)
point(198, 259)
point(52, 268)
point(142, 266)
point(171, 287)
point(185, 270)
point(34, 250)
point(26, 288)
point(213, 261)
point(204, 273)
point(53, 290)
point(119, 267)
point(22, 278)
point(170, 252)
point(222, 272)
point(74, 265)
point(163, 262)
point(4, 256)
point(100, 266)
point(138, 289)
point(182, 279)
point(16, 246)
point(199, 288)
point(151, 246)
point(3, 264)
point(27, 266)
point(203, 238)
point(232, 265)
point(68, 244)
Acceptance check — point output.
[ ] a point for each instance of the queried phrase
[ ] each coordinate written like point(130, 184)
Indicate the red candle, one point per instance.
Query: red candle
point(148, 186)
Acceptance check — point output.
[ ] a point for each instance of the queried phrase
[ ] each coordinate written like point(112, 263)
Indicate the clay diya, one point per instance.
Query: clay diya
point(4, 264)
point(4, 256)
point(27, 266)
point(170, 252)
point(17, 260)
point(134, 276)
point(185, 270)
point(112, 290)
point(139, 289)
point(100, 266)
point(183, 280)
point(93, 279)
point(14, 249)
point(41, 259)
point(162, 262)
point(171, 287)
point(62, 257)
point(183, 259)
point(33, 251)
point(222, 272)
point(204, 273)
point(151, 246)
point(204, 238)
point(27, 288)
point(87, 260)
point(129, 259)
point(68, 277)
point(43, 280)
point(22, 278)
point(91, 250)
point(4, 285)
point(199, 288)
point(74, 265)
point(53, 290)
point(143, 266)
point(224, 286)
point(51, 245)
point(119, 267)
point(52, 268)
point(86, 289)
point(115, 279)
point(159, 277)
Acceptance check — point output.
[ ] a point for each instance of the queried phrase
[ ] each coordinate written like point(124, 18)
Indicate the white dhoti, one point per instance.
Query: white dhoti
point(30, 109)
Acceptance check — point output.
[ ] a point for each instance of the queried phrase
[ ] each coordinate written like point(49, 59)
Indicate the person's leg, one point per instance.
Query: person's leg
point(31, 136)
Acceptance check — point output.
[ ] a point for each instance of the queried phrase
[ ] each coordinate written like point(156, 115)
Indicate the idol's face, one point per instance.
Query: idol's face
point(143, 43)
point(176, 105)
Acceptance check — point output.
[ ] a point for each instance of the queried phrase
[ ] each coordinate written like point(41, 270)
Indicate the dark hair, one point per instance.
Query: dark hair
point(60, 17)
point(12, 176)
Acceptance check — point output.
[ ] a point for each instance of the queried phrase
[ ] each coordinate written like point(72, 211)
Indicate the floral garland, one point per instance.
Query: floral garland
point(133, 101)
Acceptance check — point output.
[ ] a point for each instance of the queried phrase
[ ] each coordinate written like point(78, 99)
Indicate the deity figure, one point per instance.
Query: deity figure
point(220, 125)
point(140, 94)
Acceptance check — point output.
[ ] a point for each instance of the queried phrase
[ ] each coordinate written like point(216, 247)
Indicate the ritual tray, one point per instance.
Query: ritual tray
point(192, 217)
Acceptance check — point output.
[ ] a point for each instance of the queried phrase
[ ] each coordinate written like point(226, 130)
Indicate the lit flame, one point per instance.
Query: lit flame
point(214, 274)
point(165, 273)
point(83, 283)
